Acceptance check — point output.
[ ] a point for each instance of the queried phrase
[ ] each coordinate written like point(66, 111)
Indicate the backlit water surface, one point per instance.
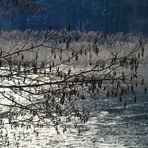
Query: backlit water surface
point(110, 126)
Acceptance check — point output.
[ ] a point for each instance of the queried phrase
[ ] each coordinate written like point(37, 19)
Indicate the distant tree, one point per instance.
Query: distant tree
point(135, 13)
point(8, 7)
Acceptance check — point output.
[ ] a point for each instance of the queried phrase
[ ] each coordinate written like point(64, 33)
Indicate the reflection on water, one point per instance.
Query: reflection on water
point(110, 126)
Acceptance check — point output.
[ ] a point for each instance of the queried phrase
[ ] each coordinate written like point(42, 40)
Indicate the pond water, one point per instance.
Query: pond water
point(110, 126)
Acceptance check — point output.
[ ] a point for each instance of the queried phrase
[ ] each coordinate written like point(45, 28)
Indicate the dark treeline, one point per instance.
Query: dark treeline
point(108, 16)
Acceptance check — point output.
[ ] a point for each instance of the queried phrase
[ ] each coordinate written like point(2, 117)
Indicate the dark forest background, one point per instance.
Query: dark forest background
point(108, 16)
